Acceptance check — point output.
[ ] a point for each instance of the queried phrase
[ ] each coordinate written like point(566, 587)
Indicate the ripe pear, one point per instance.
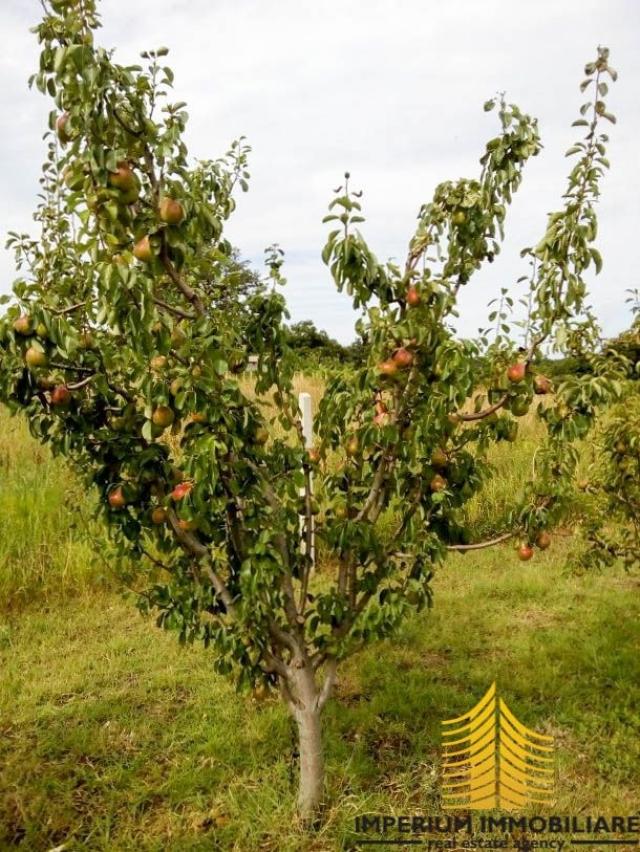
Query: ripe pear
point(438, 483)
point(388, 367)
point(158, 362)
point(62, 128)
point(403, 357)
point(23, 325)
point(171, 211)
point(163, 416)
point(517, 372)
point(525, 552)
point(60, 396)
point(541, 384)
point(116, 498)
point(159, 515)
point(122, 178)
point(35, 357)
point(543, 541)
point(143, 251)
point(413, 296)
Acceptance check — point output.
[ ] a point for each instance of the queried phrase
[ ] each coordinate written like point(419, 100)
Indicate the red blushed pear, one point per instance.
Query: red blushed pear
point(122, 178)
point(313, 454)
point(388, 368)
point(525, 552)
point(413, 296)
point(182, 490)
point(143, 250)
point(517, 372)
point(438, 483)
point(543, 540)
point(541, 384)
point(23, 325)
point(116, 498)
point(403, 357)
point(171, 211)
point(159, 516)
point(62, 128)
point(60, 396)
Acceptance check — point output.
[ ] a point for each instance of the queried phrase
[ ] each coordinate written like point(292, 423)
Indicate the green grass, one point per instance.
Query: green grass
point(46, 551)
point(112, 737)
point(115, 738)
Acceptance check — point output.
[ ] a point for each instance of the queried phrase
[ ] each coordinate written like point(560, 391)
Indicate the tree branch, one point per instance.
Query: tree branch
point(62, 311)
point(480, 545)
point(173, 310)
point(194, 546)
point(485, 412)
point(82, 383)
point(187, 291)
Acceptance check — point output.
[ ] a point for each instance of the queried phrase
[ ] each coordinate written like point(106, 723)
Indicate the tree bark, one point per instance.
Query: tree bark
point(306, 710)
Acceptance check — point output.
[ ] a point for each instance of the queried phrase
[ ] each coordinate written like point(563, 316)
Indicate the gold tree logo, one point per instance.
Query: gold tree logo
point(491, 760)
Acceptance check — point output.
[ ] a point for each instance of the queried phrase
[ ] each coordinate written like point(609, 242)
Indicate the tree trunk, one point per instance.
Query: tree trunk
point(306, 711)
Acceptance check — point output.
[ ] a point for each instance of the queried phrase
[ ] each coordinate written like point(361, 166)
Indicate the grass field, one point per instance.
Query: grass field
point(115, 738)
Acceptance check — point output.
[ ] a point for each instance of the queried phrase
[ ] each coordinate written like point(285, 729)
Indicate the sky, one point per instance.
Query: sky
point(391, 90)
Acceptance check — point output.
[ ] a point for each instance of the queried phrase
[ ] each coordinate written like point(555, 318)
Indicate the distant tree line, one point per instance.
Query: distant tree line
point(316, 349)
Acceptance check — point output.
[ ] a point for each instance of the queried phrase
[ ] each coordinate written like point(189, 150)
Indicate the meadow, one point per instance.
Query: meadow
point(113, 737)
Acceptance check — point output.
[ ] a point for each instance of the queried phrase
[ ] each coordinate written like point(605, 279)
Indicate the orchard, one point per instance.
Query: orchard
point(129, 330)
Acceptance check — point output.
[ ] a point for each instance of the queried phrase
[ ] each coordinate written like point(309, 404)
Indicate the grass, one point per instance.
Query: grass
point(115, 738)
point(46, 547)
point(112, 737)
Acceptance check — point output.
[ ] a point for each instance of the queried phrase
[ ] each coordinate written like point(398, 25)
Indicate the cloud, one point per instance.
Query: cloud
point(393, 91)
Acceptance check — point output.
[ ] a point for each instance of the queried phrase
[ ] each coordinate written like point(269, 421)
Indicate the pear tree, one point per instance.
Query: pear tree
point(128, 333)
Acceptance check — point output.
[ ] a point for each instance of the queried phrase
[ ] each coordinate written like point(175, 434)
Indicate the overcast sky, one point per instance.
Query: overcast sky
point(391, 90)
